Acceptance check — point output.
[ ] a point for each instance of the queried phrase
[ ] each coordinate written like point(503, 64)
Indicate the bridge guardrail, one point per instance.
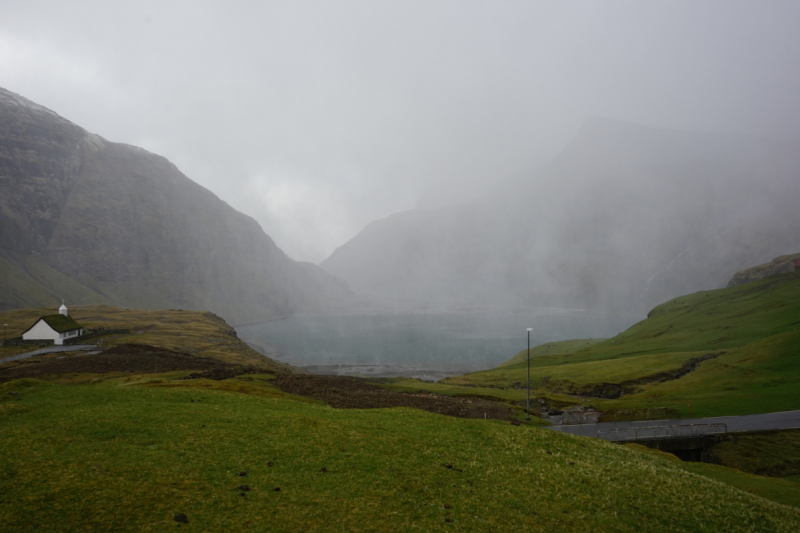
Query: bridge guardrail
point(683, 431)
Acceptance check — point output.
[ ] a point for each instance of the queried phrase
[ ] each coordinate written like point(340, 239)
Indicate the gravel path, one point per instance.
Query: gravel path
point(51, 349)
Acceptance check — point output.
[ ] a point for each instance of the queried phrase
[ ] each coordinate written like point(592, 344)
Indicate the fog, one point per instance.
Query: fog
point(316, 118)
point(625, 218)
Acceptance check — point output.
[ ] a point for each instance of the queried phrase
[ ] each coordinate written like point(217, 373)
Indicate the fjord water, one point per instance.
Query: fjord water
point(422, 340)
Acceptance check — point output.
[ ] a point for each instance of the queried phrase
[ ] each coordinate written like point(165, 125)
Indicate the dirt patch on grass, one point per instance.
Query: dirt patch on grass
point(355, 393)
point(126, 358)
point(338, 391)
point(612, 391)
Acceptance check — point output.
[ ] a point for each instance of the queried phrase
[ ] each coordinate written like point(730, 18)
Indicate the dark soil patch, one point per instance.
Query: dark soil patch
point(219, 373)
point(338, 391)
point(355, 393)
point(126, 358)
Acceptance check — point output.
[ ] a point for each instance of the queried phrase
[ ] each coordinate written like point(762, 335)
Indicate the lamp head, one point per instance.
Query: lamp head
point(529, 329)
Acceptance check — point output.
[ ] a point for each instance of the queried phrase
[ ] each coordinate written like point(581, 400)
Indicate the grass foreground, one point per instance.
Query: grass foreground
point(132, 454)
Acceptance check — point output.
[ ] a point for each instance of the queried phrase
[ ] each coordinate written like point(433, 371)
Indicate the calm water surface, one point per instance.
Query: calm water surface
point(420, 340)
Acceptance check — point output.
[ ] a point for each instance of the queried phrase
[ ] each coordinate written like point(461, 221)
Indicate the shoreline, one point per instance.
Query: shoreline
point(383, 371)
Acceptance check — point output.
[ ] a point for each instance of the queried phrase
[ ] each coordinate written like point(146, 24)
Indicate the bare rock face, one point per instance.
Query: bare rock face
point(48, 151)
point(93, 221)
point(779, 265)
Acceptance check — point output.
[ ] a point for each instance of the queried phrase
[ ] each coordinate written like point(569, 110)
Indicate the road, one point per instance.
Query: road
point(51, 349)
point(761, 422)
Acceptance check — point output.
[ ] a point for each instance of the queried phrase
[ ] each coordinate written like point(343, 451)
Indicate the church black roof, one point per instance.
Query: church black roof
point(60, 323)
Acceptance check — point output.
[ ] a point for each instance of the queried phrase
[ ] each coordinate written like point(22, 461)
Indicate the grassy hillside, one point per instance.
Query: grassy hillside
point(766, 453)
point(784, 491)
point(195, 332)
point(759, 377)
point(131, 454)
point(551, 348)
point(731, 351)
point(26, 281)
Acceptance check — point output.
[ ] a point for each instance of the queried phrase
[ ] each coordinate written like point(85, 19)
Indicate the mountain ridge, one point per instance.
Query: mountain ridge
point(110, 223)
point(626, 216)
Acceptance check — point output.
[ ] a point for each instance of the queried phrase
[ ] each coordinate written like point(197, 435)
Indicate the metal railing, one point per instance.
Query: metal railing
point(630, 415)
point(687, 431)
point(580, 417)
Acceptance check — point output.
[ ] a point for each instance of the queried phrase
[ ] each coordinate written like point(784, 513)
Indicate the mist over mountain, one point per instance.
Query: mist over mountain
point(626, 217)
point(92, 221)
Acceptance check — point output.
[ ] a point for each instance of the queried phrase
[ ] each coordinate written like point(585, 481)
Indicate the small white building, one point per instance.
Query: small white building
point(56, 328)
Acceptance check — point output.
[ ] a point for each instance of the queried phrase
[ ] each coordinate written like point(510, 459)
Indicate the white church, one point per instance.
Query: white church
point(56, 328)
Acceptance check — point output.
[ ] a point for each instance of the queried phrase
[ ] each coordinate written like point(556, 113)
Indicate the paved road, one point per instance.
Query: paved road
point(51, 349)
point(782, 420)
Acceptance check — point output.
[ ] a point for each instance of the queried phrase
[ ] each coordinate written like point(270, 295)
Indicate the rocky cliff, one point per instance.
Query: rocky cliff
point(92, 221)
point(780, 265)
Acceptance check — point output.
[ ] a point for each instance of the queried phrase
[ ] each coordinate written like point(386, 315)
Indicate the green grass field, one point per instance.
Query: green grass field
point(129, 454)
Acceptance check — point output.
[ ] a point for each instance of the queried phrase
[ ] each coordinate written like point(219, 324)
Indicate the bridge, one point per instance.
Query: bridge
point(689, 439)
point(690, 442)
point(759, 422)
point(683, 431)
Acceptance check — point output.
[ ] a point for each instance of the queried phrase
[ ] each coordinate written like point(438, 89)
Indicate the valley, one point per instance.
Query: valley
point(256, 440)
point(170, 416)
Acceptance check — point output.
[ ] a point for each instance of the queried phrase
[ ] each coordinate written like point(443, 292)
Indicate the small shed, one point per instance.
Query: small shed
point(796, 263)
point(56, 328)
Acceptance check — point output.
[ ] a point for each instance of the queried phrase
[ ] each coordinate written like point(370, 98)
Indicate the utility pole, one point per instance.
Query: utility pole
point(529, 375)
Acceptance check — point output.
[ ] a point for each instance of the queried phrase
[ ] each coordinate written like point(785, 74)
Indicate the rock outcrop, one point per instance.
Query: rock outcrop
point(779, 265)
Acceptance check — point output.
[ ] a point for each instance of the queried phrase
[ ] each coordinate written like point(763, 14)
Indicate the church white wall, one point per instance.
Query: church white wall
point(41, 331)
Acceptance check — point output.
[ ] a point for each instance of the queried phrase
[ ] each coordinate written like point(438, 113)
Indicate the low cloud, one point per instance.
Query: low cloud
point(317, 117)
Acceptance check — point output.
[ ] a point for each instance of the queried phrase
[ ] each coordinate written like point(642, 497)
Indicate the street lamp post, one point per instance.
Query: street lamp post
point(529, 375)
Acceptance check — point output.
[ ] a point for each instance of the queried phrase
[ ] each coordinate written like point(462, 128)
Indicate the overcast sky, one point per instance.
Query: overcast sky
point(318, 117)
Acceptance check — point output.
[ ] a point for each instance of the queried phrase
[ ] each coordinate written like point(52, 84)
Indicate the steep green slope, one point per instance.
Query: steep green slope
point(26, 281)
point(92, 221)
point(132, 456)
